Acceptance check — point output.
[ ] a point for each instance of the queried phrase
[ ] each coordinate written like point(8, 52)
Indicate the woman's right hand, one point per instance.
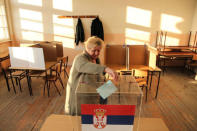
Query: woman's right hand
point(111, 73)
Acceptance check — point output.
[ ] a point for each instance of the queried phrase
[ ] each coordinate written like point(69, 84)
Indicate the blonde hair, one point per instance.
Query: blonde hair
point(93, 42)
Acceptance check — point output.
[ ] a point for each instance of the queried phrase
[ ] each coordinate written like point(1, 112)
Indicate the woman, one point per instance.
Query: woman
point(84, 64)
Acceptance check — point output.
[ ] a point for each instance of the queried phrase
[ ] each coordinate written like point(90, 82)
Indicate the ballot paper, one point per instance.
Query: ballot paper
point(106, 89)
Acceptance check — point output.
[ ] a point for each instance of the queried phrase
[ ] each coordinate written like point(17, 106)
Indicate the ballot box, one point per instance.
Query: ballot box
point(121, 108)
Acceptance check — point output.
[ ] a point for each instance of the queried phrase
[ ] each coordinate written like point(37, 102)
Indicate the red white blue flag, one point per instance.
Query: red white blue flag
point(107, 117)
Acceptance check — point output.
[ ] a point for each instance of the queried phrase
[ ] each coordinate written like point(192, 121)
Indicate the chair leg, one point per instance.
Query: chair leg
point(56, 88)
point(19, 84)
point(45, 84)
point(16, 79)
point(146, 93)
point(13, 85)
point(65, 72)
point(8, 86)
point(61, 82)
point(61, 64)
point(48, 87)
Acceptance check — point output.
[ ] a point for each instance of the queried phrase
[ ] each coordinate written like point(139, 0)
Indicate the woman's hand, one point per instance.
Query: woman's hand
point(112, 73)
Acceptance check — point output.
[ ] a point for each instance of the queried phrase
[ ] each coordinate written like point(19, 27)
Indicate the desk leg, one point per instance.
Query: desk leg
point(29, 83)
point(158, 61)
point(147, 81)
point(151, 78)
point(4, 73)
point(30, 86)
point(12, 82)
point(164, 62)
point(158, 85)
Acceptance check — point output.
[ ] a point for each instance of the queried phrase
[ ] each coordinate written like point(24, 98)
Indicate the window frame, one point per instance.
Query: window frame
point(5, 17)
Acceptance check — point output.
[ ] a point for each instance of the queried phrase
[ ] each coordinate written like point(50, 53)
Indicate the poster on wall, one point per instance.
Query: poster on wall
point(107, 117)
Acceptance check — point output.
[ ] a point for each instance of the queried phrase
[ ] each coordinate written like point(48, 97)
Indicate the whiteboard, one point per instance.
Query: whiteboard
point(27, 58)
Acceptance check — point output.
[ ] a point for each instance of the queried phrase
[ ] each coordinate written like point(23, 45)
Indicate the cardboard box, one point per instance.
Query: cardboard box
point(58, 123)
point(152, 124)
point(52, 49)
point(59, 49)
point(50, 53)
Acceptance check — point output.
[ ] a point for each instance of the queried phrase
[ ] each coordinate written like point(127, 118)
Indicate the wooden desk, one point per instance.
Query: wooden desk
point(117, 67)
point(4, 56)
point(176, 54)
point(48, 65)
point(177, 47)
point(150, 72)
point(139, 67)
point(169, 55)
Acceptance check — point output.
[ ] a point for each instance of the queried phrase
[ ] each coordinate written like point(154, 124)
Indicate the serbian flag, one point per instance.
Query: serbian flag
point(107, 117)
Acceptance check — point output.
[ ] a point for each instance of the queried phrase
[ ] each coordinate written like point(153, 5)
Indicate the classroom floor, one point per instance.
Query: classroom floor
point(176, 103)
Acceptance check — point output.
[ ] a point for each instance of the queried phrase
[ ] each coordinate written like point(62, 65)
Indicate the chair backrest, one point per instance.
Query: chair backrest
point(65, 60)
point(64, 63)
point(5, 64)
point(57, 70)
point(139, 73)
point(50, 53)
point(58, 67)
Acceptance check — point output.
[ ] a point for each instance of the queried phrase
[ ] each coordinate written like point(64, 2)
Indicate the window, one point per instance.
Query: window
point(3, 22)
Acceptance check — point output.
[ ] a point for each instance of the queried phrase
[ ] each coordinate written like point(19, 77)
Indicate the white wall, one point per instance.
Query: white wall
point(124, 21)
point(194, 22)
point(194, 25)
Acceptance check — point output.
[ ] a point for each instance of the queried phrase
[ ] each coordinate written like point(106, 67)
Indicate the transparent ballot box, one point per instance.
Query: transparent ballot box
point(128, 94)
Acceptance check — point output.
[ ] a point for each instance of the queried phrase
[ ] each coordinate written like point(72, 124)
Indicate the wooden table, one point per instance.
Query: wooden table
point(150, 72)
point(117, 67)
point(4, 56)
point(170, 55)
point(176, 54)
point(177, 47)
point(48, 65)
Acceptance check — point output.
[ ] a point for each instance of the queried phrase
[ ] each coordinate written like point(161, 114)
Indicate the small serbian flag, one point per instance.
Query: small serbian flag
point(107, 117)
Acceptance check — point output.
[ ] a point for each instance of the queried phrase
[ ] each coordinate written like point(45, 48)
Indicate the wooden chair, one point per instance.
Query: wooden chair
point(141, 79)
point(64, 65)
point(41, 74)
point(36, 74)
point(191, 65)
point(52, 78)
point(10, 74)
